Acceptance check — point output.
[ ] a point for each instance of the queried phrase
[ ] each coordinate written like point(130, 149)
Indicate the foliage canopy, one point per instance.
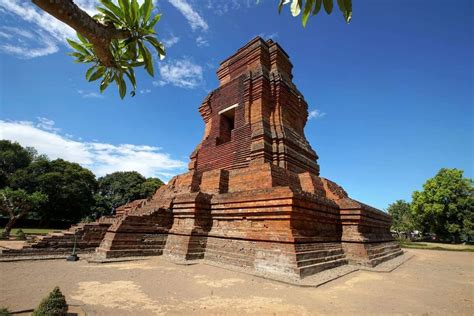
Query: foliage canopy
point(119, 188)
point(402, 218)
point(446, 205)
point(69, 187)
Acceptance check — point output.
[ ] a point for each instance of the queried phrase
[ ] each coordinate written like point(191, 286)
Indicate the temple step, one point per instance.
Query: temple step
point(300, 256)
point(318, 267)
point(390, 255)
point(108, 253)
point(382, 250)
point(309, 262)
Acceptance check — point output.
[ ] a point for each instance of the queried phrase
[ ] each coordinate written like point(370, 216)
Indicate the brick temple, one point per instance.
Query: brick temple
point(252, 197)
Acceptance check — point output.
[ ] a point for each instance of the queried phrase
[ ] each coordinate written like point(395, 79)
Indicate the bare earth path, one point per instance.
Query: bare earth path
point(433, 282)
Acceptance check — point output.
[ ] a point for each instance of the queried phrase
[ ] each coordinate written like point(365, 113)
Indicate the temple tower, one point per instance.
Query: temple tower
point(252, 198)
point(256, 115)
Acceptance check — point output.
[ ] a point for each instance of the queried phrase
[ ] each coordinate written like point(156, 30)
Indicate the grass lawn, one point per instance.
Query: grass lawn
point(436, 246)
point(33, 231)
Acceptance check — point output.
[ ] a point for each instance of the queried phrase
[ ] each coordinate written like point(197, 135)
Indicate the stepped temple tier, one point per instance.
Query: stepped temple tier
point(252, 197)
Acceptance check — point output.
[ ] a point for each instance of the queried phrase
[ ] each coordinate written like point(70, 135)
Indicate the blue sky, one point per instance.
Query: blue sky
point(391, 94)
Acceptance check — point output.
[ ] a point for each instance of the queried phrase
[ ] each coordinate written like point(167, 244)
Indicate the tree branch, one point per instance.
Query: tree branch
point(97, 33)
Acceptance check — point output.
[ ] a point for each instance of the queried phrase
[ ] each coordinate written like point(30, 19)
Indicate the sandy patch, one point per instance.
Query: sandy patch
point(362, 277)
point(257, 305)
point(223, 283)
point(122, 295)
point(122, 266)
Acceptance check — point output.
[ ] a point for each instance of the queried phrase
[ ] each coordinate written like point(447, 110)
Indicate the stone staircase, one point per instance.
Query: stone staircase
point(136, 235)
point(314, 258)
point(380, 252)
point(88, 237)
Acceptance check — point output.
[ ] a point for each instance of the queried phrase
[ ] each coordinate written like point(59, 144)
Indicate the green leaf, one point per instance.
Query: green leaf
point(125, 6)
point(106, 81)
point(317, 7)
point(307, 10)
point(296, 7)
point(134, 10)
point(137, 63)
point(148, 59)
point(345, 6)
point(121, 84)
point(132, 50)
point(160, 49)
point(281, 4)
point(112, 7)
point(78, 47)
point(155, 20)
point(76, 54)
point(145, 10)
point(82, 38)
point(89, 72)
point(348, 12)
point(110, 15)
point(131, 76)
point(328, 6)
point(99, 73)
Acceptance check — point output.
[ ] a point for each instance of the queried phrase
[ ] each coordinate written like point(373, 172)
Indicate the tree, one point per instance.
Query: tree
point(13, 157)
point(17, 203)
point(119, 188)
point(116, 40)
point(149, 187)
point(69, 188)
point(402, 218)
point(446, 205)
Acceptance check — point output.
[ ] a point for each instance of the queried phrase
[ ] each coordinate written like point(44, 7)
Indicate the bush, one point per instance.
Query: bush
point(20, 235)
point(4, 311)
point(53, 305)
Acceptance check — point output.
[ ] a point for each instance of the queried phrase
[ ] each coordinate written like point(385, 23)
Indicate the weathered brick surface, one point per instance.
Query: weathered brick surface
point(253, 197)
point(86, 236)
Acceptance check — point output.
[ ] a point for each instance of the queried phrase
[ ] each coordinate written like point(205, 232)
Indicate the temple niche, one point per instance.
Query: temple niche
point(252, 198)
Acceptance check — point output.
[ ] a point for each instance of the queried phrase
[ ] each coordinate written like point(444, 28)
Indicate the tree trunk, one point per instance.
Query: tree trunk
point(9, 226)
point(98, 34)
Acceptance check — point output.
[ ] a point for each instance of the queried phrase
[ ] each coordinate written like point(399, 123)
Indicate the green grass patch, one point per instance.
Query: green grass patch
point(33, 231)
point(435, 246)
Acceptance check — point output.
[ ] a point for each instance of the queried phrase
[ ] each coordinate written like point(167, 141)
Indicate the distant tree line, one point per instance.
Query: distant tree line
point(445, 207)
point(33, 186)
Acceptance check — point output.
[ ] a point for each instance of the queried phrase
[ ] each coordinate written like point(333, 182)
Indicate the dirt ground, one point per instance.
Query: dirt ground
point(431, 283)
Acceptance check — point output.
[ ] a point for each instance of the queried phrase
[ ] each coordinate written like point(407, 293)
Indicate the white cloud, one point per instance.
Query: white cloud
point(25, 44)
point(170, 41)
point(191, 15)
point(267, 36)
point(25, 52)
point(42, 20)
point(201, 41)
point(43, 31)
point(221, 7)
point(90, 94)
point(101, 158)
point(145, 91)
point(42, 34)
point(46, 124)
point(11, 31)
point(181, 73)
point(315, 114)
